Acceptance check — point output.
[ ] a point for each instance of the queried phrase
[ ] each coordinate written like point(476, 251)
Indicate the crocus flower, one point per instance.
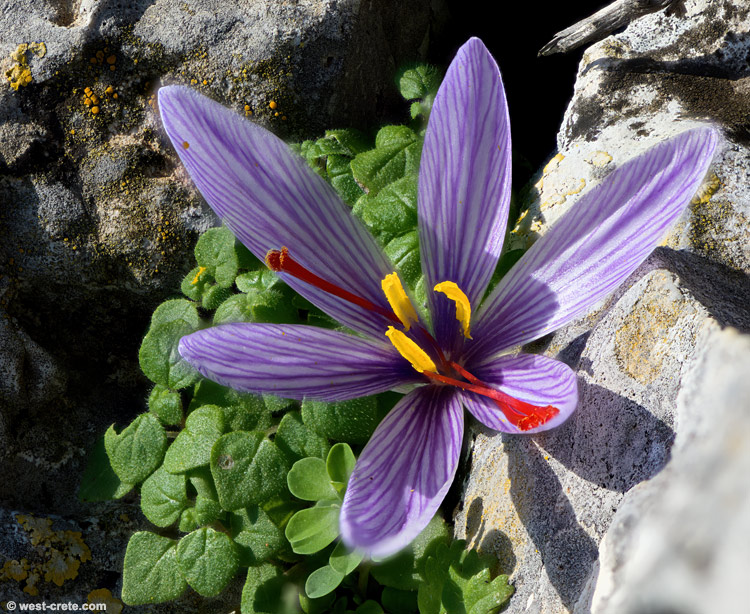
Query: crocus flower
point(284, 213)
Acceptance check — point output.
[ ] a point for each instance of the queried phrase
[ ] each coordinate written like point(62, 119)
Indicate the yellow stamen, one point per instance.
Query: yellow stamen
point(197, 276)
point(463, 307)
point(410, 350)
point(399, 300)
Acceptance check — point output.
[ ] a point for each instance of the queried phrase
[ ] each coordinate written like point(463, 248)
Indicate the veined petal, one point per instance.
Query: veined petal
point(270, 199)
point(464, 183)
point(295, 361)
point(404, 472)
point(596, 245)
point(531, 378)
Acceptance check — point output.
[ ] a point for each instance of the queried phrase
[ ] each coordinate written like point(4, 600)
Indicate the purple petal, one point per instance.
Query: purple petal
point(295, 361)
point(464, 183)
point(596, 245)
point(530, 378)
point(271, 199)
point(404, 471)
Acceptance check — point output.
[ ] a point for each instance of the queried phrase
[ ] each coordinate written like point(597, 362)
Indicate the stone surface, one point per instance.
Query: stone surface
point(649, 561)
point(544, 503)
point(98, 219)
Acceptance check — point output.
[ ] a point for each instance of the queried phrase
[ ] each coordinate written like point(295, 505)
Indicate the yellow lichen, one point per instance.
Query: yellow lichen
point(103, 595)
point(707, 190)
point(19, 74)
point(598, 158)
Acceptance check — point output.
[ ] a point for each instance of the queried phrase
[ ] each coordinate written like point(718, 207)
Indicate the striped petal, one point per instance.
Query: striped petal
point(531, 378)
point(270, 199)
point(596, 245)
point(464, 183)
point(295, 361)
point(404, 472)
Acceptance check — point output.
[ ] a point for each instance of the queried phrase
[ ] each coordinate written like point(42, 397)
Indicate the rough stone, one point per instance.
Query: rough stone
point(99, 219)
point(649, 561)
point(543, 504)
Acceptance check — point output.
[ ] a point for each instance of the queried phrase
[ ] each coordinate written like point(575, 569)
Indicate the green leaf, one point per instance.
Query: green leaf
point(189, 520)
point(208, 560)
point(176, 310)
point(262, 591)
point(165, 405)
point(215, 251)
point(272, 306)
point(159, 358)
point(419, 82)
point(347, 188)
point(321, 605)
point(459, 580)
point(396, 155)
point(163, 497)
point(296, 440)
point(393, 211)
point(350, 421)
point(99, 481)
point(353, 140)
point(344, 561)
point(256, 535)
point(258, 281)
point(312, 529)
point(136, 452)
point(322, 581)
point(207, 510)
point(369, 607)
point(403, 570)
point(256, 415)
point(340, 463)
point(308, 480)
point(150, 572)
point(404, 253)
point(214, 297)
point(247, 469)
point(192, 447)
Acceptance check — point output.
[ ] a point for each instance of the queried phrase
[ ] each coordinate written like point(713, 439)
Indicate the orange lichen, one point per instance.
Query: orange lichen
point(19, 74)
point(272, 104)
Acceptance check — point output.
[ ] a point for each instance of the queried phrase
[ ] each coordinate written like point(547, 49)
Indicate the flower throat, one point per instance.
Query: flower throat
point(524, 416)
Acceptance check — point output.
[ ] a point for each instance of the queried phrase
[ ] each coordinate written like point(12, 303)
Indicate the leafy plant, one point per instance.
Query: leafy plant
point(252, 484)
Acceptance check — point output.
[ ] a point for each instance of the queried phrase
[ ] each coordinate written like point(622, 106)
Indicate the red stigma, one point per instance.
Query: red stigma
point(280, 261)
point(523, 415)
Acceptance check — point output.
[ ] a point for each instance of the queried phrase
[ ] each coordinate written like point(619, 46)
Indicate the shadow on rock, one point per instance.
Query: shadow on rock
point(566, 550)
point(610, 440)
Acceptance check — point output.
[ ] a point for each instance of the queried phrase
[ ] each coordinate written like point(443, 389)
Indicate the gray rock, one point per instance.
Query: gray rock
point(544, 503)
point(678, 542)
point(98, 218)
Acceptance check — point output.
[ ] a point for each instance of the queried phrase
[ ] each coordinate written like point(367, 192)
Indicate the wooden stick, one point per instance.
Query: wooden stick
point(605, 21)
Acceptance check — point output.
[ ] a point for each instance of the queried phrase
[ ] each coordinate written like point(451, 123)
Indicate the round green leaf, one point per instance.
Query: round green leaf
point(215, 251)
point(344, 561)
point(255, 534)
point(150, 572)
point(322, 581)
point(136, 452)
point(369, 607)
point(340, 463)
point(163, 497)
point(351, 421)
point(165, 405)
point(262, 591)
point(208, 560)
point(192, 447)
point(159, 358)
point(296, 440)
point(176, 310)
point(312, 529)
point(308, 480)
point(248, 469)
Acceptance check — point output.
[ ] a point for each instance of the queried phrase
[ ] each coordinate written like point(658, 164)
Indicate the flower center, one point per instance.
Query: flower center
point(523, 415)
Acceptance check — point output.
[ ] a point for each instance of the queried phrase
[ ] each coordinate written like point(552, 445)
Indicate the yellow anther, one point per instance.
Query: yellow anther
point(410, 350)
point(463, 307)
point(398, 300)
